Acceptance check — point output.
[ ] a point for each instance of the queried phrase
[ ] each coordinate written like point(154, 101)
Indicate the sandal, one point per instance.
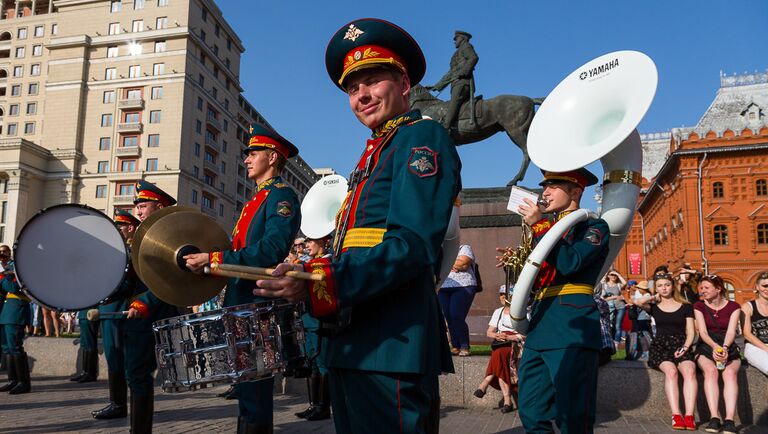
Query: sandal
point(479, 393)
point(455, 351)
point(464, 353)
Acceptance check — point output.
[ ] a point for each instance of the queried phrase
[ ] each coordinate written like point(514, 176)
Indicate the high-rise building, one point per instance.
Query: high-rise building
point(97, 94)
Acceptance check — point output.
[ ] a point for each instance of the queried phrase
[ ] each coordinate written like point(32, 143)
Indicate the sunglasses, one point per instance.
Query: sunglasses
point(662, 276)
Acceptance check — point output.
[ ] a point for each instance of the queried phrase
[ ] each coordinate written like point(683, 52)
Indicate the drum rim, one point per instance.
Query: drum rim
point(29, 293)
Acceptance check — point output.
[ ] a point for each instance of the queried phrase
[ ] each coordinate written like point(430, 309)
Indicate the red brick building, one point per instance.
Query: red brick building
point(708, 202)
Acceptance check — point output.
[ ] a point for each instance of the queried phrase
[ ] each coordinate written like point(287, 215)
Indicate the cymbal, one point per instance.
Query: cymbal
point(170, 237)
point(144, 226)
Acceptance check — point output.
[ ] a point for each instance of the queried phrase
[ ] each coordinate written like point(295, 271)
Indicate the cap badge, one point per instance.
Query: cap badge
point(353, 33)
point(358, 55)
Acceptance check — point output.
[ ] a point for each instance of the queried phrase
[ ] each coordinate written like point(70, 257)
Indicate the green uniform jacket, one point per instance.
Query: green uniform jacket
point(15, 310)
point(158, 309)
point(262, 237)
point(383, 272)
point(567, 321)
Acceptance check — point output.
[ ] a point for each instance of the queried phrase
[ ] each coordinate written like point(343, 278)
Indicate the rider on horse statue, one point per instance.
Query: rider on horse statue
point(461, 79)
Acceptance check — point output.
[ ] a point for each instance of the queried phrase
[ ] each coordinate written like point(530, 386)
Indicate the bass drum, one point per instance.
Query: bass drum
point(70, 257)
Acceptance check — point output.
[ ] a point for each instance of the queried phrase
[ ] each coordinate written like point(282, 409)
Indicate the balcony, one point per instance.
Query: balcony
point(212, 121)
point(212, 143)
point(210, 212)
point(127, 151)
point(211, 166)
point(122, 199)
point(130, 127)
point(130, 104)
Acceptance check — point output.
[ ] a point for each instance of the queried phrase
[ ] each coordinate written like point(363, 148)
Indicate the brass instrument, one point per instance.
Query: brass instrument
point(514, 259)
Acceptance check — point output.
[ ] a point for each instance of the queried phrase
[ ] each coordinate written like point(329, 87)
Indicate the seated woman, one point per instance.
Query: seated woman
point(717, 319)
point(501, 373)
point(671, 349)
point(756, 326)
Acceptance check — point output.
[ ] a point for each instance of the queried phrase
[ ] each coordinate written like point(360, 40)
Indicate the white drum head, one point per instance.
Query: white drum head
point(70, 257)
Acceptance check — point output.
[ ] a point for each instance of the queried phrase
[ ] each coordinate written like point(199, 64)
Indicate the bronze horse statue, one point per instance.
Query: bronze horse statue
point(509, 113)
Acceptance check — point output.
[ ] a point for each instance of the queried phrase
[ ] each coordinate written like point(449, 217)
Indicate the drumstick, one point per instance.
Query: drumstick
point(95, 315)
point(256, 273)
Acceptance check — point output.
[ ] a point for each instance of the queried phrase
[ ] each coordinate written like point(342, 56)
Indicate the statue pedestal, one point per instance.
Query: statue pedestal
point(486, 224)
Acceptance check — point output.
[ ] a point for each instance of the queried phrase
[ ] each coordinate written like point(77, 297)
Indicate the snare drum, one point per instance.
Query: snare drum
point(70, 257)
point(229, 345)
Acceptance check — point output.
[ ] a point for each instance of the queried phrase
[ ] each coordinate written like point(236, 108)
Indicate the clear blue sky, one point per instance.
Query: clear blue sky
point(525, 48)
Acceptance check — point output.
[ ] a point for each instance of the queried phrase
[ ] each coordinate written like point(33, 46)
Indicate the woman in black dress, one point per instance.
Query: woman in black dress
point(670, 351)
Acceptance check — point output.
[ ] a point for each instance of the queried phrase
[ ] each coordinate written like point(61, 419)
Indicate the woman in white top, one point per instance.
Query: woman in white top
point(456, 296)
point(501, 372)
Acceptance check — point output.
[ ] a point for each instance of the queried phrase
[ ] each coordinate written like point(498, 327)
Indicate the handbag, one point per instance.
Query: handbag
point(496, 344)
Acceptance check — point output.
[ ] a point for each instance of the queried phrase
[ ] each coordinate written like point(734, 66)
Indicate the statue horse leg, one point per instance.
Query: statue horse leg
point(520, 139)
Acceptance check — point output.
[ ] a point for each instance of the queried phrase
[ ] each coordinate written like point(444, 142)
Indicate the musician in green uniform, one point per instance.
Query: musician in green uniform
point(89, 331)
point(111, 328)
point(262, 237)
point(138, 340)
point(390, 343)
point(558, 371)
point(13, 318)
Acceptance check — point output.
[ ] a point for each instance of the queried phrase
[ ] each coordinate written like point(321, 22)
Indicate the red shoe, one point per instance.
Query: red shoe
point(690, 423)
point(677, 422)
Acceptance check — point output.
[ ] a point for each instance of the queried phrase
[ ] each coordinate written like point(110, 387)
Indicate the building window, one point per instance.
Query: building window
point(22, 33)
point(151, 164)
point(34, 69)
point(137, 26)
point(718, 192)
point(196, 171)
point(153, 140)
point(214, 92)
point(109, 96)
point(761, 187)
point(132, 118)
point(762, 233)
point(128, 165)
point(202, 35)
point(12, 129)
point(221, 210)
point(127, 189)
point(160, 46)
point(154, 116)
point(106, 120)
point(217, 29)
point(138, 4)
point(54, 29)
point(205, 14)
point(13, 110)
point(157, 92)
point(16, 90)
point(116, 5)
point(103, 167)
point(720, 233)
point(223, 167)
point(207, 202)
point(19, 52)
point(37, 50)
point(130, 141)
point(229, 44)
point(197, 149)
point(162, 3)
point(161, 23)
point(33, 87)
point(199, 103)
point(133, 94)
point(194, 196)
point(210, 157)
point(224, 146)
point(112, 51)
point(215, 72)
point(198, 127)
point(101, 191)
point(201, 80)
point(39, 31)
point(110, 73)
point(209, 178)
point(134, 71)
point(18, 71)
point(105, 143)
point(114, 28)
point(158, 69)
point(216, 50)
point(31, 108)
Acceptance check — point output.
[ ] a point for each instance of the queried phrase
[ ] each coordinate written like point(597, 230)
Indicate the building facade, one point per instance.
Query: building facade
point(708, 203)
point(97, 94)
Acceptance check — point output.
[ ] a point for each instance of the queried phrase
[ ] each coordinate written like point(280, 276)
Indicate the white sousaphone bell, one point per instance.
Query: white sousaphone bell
point(591, 115)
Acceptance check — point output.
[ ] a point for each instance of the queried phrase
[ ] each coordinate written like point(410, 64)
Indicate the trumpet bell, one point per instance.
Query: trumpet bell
point(320, 206)
point(592, 110)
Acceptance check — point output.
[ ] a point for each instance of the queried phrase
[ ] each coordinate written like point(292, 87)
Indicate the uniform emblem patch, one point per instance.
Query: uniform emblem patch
point(353, 33)
point(284, 209)
point(423, 162)
point(594, 236)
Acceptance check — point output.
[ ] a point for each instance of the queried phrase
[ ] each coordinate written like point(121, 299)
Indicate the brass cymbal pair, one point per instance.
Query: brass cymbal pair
point(159, 244)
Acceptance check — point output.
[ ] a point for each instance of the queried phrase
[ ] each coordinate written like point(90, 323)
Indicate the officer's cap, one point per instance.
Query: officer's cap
point(370, 42)
point(124, 217)
point(265, 138)
point(146, 192)
point(581, 177)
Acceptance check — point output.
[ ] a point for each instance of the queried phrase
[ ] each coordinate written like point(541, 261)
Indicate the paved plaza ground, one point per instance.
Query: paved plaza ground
point(57, 405)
